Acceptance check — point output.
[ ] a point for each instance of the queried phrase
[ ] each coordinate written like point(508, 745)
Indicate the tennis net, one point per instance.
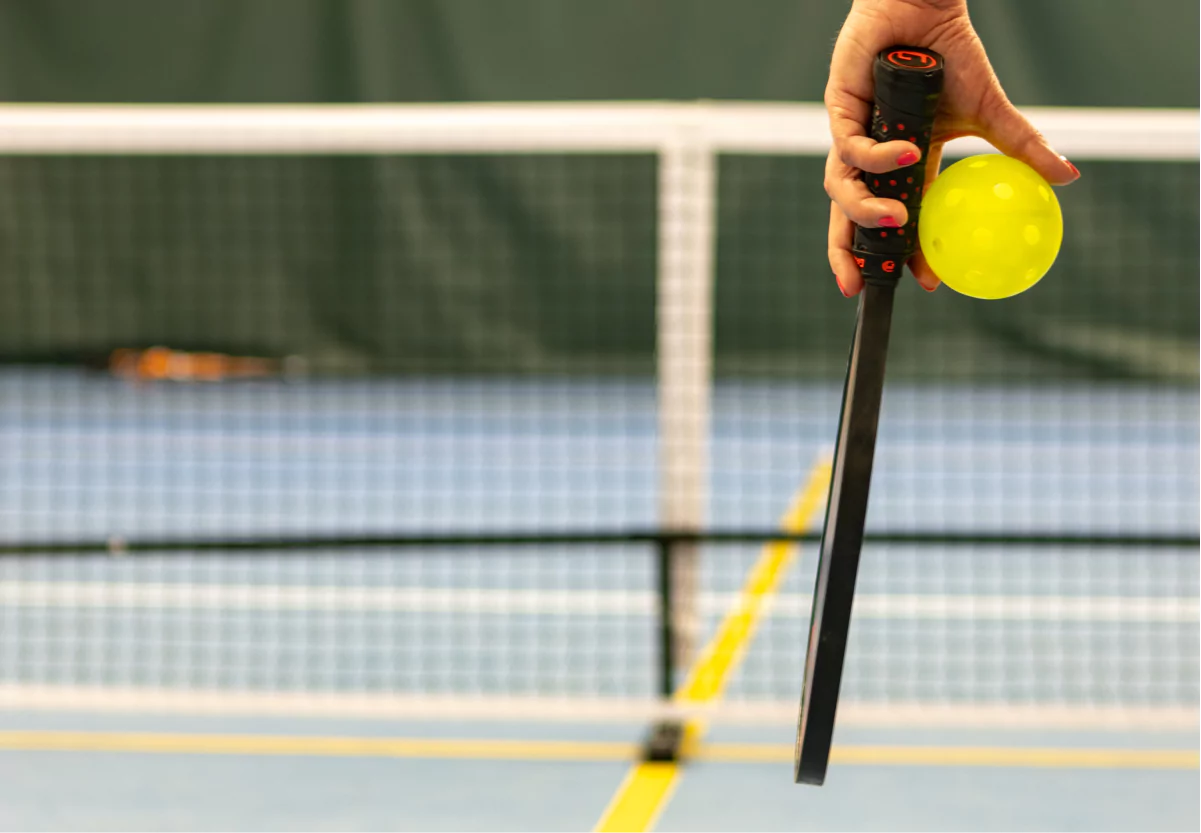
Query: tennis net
point(411, 409)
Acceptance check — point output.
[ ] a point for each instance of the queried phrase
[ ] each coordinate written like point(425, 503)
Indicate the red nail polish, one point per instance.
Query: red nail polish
point(907, 158)
point(927, 288)
point(1075, 170)
point(841, 288)
point(889, 222)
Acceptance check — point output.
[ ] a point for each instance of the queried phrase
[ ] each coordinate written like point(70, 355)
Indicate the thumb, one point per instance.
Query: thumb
point(1013, 134)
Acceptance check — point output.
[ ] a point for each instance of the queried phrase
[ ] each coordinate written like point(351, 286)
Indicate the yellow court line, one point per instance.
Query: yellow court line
point(994, 756)
point(641, 798)
point(199, 744)
point(649, 782)
point(648, 786)
point(709, 675)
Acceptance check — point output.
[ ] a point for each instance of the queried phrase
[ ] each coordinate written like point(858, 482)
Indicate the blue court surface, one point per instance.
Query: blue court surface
point(991, 687)
point(312, 789)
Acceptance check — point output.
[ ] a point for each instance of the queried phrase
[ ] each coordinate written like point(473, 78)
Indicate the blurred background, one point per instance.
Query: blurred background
point(399, 402)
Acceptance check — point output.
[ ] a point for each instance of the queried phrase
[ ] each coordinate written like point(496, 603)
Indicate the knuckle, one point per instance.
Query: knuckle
point(1030, 143)
point(846, 153)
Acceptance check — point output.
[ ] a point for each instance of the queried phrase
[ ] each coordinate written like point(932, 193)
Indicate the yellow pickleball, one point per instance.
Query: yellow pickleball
point(990, 226)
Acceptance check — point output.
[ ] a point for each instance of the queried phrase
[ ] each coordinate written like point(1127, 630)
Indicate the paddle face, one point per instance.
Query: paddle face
point(908, 82)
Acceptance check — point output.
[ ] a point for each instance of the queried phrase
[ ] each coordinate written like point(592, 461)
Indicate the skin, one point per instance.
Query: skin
point(972, 104)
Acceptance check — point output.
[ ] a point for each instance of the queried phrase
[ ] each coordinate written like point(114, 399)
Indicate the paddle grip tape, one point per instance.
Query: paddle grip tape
point(908, 83)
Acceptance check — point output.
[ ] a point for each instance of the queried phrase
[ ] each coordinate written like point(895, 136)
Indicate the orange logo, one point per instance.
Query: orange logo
point(888, 266)
point(859, 262)
point(911, 60)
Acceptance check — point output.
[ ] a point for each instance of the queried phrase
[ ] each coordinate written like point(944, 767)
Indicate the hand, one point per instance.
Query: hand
point(972, 104)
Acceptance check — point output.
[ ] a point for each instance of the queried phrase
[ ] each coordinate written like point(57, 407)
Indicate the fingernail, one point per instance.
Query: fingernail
point(907, 158)
point(841, 288)
point(928, 288)
point(1067, 162)
point(889, 222)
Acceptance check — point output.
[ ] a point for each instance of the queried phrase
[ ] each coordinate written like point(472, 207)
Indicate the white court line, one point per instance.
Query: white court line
point(990, 607)
point(541, 709)
point(274, 597)
point(41, 443)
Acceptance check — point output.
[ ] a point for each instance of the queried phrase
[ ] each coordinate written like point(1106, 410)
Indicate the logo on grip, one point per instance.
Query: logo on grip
point(911, 60)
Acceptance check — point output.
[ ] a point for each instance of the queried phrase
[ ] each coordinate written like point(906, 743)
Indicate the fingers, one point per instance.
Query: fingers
point(853, 204)
point(850, 87)
point(933, 163)
point(846, 188)
point(856, 149)
point(921, 270)
point(918, 264)
point(1013, 134)
point(876, 157)
point(846, 271)
point(842, 262)
point(848, 103)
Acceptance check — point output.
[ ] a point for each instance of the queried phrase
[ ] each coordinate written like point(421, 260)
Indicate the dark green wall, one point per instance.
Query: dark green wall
point(547, 264)
point(1052, 52)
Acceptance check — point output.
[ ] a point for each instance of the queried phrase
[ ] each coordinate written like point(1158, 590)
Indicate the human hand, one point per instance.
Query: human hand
point(972, 104)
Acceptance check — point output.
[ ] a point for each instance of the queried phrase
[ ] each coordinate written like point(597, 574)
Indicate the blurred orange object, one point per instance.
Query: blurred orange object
point(165, 364)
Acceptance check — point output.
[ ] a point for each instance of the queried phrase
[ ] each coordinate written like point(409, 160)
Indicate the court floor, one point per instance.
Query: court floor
point(988, 687)
point(88, 771)
point(91, 457)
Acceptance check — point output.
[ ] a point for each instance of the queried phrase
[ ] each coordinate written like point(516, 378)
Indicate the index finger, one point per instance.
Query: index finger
point(849, 95)
point(849, 89)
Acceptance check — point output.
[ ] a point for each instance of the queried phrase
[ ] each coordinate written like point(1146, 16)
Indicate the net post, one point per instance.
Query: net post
point(667, 639)
point(663, 742)
point(686, 241)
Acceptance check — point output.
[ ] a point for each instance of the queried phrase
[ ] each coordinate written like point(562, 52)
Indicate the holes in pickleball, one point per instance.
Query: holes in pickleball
point(937, 244)
point(979, 163)
point(954, 197)
point(1003, 190)
point(1044, 193)
point(982, 239)
point(1031, 274)
point(1032, 235)
point(973, 275)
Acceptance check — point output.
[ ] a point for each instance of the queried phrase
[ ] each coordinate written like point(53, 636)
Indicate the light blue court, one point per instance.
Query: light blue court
point(88, 456)
point(192, 790)
point(206, 645)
